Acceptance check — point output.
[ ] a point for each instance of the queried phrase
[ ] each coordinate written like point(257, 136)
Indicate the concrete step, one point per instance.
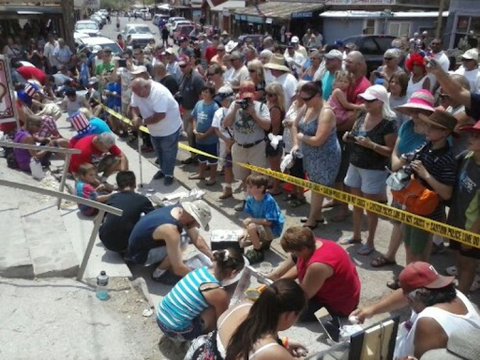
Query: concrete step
point(15, 261)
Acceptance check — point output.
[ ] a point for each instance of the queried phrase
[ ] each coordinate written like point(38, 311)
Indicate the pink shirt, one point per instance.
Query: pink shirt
point(358, 88)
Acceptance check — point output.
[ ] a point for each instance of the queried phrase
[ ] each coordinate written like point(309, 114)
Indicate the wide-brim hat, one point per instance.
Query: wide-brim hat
point(277, 62)
point(472, 128)
point(420, 100)
point(231, 45)
point(441, 119)
point(199, 210)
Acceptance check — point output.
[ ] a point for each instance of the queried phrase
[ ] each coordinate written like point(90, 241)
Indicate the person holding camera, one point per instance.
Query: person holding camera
point(249, 119)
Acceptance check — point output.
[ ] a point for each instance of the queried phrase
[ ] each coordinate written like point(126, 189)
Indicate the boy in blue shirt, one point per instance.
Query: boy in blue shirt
point(113, 91)
point(206, 139)
point(265, 221)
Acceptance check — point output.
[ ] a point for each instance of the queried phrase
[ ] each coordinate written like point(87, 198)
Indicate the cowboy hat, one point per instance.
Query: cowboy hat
point(277, 62)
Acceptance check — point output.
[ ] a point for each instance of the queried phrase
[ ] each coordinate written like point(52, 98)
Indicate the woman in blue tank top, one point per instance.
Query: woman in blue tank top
point(193, 306)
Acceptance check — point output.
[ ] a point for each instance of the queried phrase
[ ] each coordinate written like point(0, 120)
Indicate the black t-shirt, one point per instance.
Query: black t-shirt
point(115, 230)
point(364, 158)
point(170, 83)
point(474, 110)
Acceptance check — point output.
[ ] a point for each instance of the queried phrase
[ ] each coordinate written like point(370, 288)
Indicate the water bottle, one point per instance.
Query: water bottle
point(102, 286)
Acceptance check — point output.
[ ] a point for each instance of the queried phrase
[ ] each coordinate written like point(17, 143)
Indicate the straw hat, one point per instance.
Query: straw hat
point(277, 62)
point(420, 100)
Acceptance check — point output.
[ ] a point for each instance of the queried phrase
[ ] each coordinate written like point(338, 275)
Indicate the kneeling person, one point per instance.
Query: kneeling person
point(156, 238)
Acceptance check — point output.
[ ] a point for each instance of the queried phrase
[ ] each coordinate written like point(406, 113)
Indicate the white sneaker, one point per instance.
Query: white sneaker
point(157, 273)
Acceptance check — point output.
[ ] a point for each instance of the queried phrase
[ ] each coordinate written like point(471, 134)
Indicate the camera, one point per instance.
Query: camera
point(409, 157)
point(244, 103)
point(122, 63)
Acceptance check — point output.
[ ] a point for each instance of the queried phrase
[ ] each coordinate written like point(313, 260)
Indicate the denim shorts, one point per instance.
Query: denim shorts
point(192, 331)
point(370, 182)
point(210, 149)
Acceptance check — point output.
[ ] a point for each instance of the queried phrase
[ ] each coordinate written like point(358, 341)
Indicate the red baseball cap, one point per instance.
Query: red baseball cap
point(247, 92)
point(422, 275)
point(473, 128)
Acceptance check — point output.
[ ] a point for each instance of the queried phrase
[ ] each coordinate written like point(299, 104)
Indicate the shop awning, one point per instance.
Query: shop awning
point(230, 4)
point(381, 14)
point(279, 10)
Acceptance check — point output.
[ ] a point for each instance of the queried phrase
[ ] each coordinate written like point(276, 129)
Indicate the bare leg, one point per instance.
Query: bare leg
point(213, 173)
point(209, 317)
point(372, 219)
point(395, 242)
point(275, 165)
point(357, 216)
point(315, 210)
point(466, 272)
point(253, 234)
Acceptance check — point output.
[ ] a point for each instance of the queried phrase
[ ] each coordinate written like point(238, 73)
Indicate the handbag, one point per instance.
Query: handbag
point(36, 169)
point(416, 198)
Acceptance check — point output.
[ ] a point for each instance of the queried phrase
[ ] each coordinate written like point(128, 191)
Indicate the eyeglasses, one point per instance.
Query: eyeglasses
point(387, 58)
point(307, 99)
point(270, 95)
point(370, 101)
point(252, 70)
point(444, 96)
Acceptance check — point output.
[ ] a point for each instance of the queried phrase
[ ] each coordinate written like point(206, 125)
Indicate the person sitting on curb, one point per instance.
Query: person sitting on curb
point(439, 310)
point(115, 230)
point(156, 238)
point(265, 221)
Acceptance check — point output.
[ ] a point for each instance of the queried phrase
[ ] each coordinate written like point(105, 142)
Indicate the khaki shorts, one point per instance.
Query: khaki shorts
point(187, 114)
point(253, 156)
point(265, 234)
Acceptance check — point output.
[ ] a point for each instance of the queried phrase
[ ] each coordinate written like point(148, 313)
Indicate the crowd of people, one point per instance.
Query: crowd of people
point(303, 108)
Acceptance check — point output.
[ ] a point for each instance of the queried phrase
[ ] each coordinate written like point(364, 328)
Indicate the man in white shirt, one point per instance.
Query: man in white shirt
point(470, 70)
point(240, 72)
point(49, 53)
point(298, 48)
point(283, 76)
point(438, 54)
point(294, 58)
point(159, 111)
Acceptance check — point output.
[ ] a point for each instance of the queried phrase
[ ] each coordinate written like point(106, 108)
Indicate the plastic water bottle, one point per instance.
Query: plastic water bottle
point(102, 286)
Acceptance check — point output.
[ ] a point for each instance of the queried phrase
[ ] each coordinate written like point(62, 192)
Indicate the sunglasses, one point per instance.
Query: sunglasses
point(370, 101)
point(270, 95)
point(182, 66)
point(387, 59)
point(444, 96)
point(307, 99)
point(467, 59)
point(251, 70)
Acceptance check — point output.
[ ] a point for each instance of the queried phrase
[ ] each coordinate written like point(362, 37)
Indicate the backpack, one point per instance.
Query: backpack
point(416, 198)
point(10, 156)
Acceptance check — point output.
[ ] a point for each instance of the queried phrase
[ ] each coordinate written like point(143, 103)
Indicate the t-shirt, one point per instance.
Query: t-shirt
point(84, 74)
point(340, 293)
point(48, 127)
point(29, 72)
point(159, 101)
point(85, 191)
point(210, 52)
point(190, 89)
point(115, 230)
point(73, 106)
point(238, 76)
point(61, 79)
point(356, 89)
point(268, 209)
point(89, 153)
point(103, 67)
point(465, 202)
point(327, 84)
point(98, 126)
point(203, 114)
point(442, 166)
point(289, 85)
point(474, 110)
point(112, 100)
point(367, 158)
point(409, 140)
point(246, 129)
point(473, 77)
point(126, 77)
point(218, 122)
point(398, 101)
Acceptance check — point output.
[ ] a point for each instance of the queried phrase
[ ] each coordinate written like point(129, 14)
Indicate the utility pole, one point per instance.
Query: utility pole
point(440, 19)
point(68, 22)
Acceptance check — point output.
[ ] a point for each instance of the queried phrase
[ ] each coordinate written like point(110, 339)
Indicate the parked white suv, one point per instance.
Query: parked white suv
point(89, 27)
point(141, 34)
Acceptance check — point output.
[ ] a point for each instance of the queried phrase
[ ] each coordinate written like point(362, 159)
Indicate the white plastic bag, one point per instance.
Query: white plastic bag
point(36, 169)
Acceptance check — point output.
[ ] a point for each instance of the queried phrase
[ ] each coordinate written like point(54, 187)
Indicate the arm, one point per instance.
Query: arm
point(444, 191)
point(450, 87)
point(342, 99)
point(276, 117)
point(325, 124)
point(263, 222)
point(123, 162)
point(384, 150)
point(315, 277)
point(348, 125)
point(397, 161)
point(136, 119)
point(230, 117)
point(170, 234)
point(218, 299)
point(294, 128)
point(155, 118)
point(34, 153)
point(392, 302)
point(283, 268)
point(429, 335)
point(426, 84)
point(199, 242)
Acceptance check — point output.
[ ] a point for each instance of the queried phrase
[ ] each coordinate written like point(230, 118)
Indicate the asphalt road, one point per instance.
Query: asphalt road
point(111, 32)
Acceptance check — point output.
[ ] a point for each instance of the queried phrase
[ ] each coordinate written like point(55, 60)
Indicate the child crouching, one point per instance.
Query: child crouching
point(87, 178)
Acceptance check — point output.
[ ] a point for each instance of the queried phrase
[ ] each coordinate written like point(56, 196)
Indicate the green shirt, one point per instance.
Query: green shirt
point(101, 68)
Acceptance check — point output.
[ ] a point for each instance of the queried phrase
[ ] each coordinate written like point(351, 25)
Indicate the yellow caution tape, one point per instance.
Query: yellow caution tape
point(463, 236)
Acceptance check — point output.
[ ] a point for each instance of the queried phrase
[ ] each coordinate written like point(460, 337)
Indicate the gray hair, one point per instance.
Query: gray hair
point(266, 53)
point(236, 55)
point(393, 53)
point(107, 139)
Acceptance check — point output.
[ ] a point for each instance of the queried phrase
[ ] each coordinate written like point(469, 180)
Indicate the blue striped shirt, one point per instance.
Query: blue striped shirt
point(185, 301)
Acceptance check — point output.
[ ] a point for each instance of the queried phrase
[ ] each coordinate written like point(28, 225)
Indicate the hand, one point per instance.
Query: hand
point(345, 137)
point(418, 167)
point(300, 137)
point(236, 106)
point(251, 108)
point(247, 221)
point(137, 122)
point(362, 314)
point(364, 141)
point(100, 187)
point(229, 143)
point(288, 123)
point(296, 349)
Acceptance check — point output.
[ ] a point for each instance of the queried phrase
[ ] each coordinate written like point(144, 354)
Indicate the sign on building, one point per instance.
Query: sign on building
point(7, 97)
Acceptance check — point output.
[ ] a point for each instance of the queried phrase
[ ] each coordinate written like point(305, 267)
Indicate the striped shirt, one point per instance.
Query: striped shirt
point(185, 301)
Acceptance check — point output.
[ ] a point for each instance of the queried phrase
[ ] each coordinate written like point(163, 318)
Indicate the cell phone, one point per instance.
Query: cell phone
point(122, 63)
point(378, 74)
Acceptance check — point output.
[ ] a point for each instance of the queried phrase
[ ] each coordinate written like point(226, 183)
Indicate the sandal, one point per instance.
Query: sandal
point(365, 250)
point(382, 261)
point(225, 196)
point(305, 219)
point(296, 202)
point(254, 256)
point(350, 241)
point(393, 284)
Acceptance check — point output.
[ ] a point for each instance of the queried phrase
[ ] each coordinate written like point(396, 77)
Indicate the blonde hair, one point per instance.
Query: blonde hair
point(52, 110)
point(86, 112)
point(277, 89)
point(258, 67)
point(343, 74)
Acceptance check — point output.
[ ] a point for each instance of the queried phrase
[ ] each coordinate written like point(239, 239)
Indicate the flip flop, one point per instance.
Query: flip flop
point(382, 261)
point(305, 219)
point(350, 241)
point(365, 250)
point(393, 284)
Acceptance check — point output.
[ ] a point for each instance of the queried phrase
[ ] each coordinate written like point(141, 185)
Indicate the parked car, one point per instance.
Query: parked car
point(141, 34)
point(98, 20)
point(171, 21)
point(147, 16)
point(103, 11)
point(372, 47)
point(79, 35)
point(158, 17)
point(101, 41)
point(178, 23)
point(101, 16)
point(182, 31)
point(88, 27)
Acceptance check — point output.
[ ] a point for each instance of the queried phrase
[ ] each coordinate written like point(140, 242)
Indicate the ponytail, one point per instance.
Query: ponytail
point(280, 297)
point(228, 260)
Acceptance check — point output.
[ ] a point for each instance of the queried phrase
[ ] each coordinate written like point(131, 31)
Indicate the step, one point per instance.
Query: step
point(48, 240)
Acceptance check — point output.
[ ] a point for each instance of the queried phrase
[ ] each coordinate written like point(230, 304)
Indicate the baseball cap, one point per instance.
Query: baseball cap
point(200, 211)
point(247, 92)
point(375, 92)
point(471, 54)
point(223, 93)
point(294, 40)
point(420, 274)
point(334, 54)
point(139, 70)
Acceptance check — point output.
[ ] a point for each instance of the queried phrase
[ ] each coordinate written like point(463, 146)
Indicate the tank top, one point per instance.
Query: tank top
point(340, 293)
point(412, 87)
point(185, 301)
point(449, 322)
point(141, 239)
point(340, 113)
point(22, 155)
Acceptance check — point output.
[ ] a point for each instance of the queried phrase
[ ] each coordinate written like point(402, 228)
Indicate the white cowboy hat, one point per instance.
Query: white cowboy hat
point(231, 45)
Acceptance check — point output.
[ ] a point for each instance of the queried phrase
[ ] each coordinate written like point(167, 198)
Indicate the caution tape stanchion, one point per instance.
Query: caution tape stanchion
point(463, 236)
